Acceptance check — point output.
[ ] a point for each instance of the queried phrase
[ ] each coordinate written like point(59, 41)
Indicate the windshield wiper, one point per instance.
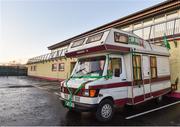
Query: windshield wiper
point(80, 70)
point(90, 72)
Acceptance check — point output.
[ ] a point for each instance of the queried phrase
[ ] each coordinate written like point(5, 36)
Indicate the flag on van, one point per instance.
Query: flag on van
point(166, 42)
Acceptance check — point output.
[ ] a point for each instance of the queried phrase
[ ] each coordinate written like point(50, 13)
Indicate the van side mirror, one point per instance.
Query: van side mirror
point(117, 73)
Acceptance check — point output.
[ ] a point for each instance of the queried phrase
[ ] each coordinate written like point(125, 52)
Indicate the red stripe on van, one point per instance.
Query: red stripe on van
point(97, 49)
point(154, 94)
point(140, 99)
point(112, 85)
point(147, 81)
point(122, 84)
point(161, 79)
point(121, 102)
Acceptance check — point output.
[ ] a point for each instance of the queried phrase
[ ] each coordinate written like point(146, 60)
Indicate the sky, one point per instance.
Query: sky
point(28, 27)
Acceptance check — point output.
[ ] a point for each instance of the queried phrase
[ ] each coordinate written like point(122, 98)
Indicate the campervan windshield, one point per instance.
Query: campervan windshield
point(93, 66)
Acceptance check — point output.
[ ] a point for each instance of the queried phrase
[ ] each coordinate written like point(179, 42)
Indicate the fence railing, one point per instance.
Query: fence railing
point(156, 30)
point(46, 57)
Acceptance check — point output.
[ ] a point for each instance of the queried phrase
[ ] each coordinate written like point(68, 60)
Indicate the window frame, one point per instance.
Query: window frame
point(73, 46)
point(31, 68)
point(121, 34)
point(34, 68)
point(110, 65)
point(59, 66)
point(140, 68)
point(137, 41)
point(101, 35)
point(52, 69)
point(153, 67)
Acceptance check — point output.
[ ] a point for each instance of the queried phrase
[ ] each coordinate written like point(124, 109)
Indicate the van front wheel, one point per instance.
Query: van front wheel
point(105, 110)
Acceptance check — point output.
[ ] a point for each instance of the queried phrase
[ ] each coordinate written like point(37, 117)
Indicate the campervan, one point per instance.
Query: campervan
point(114, 68)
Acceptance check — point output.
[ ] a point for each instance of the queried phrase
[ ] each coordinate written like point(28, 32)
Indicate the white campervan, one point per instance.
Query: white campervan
point(114, 68)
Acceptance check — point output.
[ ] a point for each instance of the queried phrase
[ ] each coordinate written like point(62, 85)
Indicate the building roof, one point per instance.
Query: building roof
point(157, 9)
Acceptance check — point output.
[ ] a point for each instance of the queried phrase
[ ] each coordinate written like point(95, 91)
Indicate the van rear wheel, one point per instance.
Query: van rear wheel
point(105, 110)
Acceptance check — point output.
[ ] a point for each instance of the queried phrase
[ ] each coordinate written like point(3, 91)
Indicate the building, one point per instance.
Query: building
point(51, 66)
point(152, 24)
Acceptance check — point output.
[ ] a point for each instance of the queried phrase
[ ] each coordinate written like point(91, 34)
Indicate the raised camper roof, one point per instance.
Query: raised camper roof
point(113, 40)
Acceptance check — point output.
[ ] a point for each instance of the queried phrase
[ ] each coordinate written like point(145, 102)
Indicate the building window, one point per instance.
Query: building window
point(138, 25)
point(137, 67)
point(170, 27)
point(34, 68)
point(172, 15)
point(61, 66)
point(146, 33)
point(177, 26)
point(31, 68)
point(54, 67)
point(147, 22)
point(94, 38)
point(120, 38)
point(115, 67)
point(126, 28)
point(159, 30)
point(153, 63)
point(77, 43)
point(139, 32)
point(160, 18)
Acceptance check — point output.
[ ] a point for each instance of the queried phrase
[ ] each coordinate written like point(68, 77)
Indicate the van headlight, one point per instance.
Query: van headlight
point(90, 93)
point(62, 89)
point(86, 92)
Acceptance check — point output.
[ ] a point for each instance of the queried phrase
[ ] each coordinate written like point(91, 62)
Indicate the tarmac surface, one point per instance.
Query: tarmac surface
point(28, 101)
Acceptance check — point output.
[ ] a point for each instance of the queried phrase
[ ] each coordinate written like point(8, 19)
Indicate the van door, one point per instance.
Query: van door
point(116, 68)
point(146, 76)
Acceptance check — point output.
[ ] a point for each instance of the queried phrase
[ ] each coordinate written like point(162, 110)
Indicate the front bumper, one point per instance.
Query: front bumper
point(81, 106)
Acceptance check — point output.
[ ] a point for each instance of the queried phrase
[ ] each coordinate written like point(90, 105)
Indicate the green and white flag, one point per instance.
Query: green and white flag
point(166, 42)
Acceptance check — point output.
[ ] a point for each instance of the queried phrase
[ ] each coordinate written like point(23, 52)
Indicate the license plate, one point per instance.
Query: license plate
point(74, 98)
point(66, 96)
point(70, 104)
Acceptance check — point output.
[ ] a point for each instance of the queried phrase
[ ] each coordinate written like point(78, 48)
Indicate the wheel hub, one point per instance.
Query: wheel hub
point(106, 111)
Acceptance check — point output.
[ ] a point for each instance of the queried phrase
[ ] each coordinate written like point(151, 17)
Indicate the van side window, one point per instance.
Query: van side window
point(93, 38)
point(120, 37)
point(137, 67)
point(115, 67)
point(153, 64)
point(77, 43)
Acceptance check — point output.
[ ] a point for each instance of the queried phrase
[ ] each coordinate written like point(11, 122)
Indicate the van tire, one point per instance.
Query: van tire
point(105, 110)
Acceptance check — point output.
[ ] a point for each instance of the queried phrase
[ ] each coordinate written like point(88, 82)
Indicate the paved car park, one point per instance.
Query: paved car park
point(29, 101)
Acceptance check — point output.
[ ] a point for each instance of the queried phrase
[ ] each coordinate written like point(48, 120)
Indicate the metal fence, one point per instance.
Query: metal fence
point(13, 71)
point(170, 27)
